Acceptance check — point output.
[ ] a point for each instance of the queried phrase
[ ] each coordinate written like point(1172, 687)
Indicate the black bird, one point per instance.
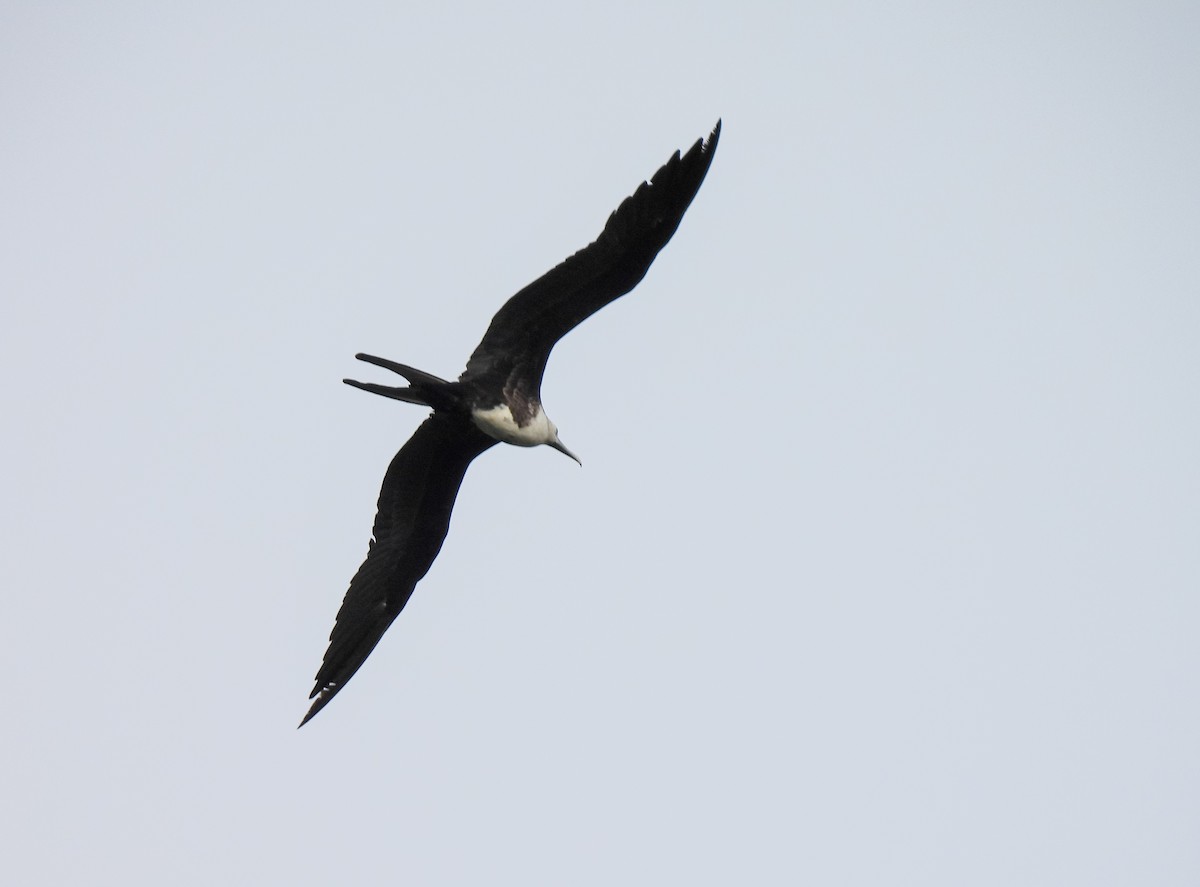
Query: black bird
point(497, 398)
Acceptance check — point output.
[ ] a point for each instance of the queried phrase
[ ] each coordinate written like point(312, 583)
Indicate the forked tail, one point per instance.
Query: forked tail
point(423, 388)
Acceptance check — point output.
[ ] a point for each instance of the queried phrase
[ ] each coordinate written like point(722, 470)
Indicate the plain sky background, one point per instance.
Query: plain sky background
point(883, 564)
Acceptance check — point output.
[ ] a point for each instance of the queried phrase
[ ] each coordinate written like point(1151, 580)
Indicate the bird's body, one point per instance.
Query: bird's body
point(496, 399)
point(527, 427)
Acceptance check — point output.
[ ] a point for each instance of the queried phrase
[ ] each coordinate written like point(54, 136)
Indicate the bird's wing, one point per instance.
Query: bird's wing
point(528, 325)
point(414, 514)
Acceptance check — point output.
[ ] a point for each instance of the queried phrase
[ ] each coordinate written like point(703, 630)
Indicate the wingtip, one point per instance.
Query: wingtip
point(312, 711)
point(321, 697)
point(711, 142)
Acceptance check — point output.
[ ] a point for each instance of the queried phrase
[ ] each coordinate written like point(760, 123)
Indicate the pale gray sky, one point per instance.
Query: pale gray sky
point(882, 567)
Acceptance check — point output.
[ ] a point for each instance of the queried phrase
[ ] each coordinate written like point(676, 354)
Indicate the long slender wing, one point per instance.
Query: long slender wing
point(415, 503)
point(528, 325)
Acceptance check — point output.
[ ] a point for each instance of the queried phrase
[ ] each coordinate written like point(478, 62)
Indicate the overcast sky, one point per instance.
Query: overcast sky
point(883, 564)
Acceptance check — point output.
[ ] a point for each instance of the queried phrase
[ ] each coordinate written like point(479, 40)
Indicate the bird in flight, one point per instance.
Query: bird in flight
point(497, 398)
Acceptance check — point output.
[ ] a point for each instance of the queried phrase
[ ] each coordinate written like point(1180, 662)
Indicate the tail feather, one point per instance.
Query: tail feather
point(423, 388)
point(407, 395)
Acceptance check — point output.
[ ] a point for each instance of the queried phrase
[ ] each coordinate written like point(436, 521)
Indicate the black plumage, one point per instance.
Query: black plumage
point(496, 398)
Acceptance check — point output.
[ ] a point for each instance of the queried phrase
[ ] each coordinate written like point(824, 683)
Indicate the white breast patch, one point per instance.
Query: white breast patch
point(498, 422)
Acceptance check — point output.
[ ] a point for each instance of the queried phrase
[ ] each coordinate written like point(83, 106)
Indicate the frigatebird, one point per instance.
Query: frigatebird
point(497, 398)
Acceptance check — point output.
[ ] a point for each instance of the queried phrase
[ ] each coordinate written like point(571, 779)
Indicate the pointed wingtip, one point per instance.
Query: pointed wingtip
point(710, 144)
point(320, 699)
point(308, 717)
